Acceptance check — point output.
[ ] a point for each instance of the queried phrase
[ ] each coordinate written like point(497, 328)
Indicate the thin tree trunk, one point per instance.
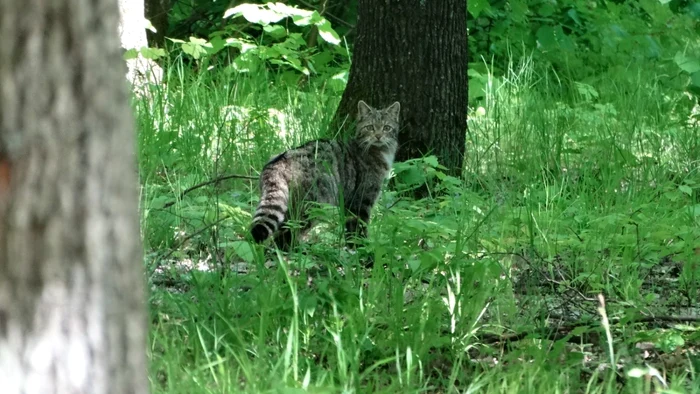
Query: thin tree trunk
point(72, 312)
point(157, 12)
point(414, 52)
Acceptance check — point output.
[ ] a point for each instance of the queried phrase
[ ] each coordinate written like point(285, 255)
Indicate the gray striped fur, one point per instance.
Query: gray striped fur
point(348, 174)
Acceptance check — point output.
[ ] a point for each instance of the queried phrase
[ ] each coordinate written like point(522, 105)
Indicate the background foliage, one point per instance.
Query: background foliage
point(582, 177)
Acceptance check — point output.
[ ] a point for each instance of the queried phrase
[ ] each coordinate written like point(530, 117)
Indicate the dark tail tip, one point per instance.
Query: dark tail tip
point(259, 233)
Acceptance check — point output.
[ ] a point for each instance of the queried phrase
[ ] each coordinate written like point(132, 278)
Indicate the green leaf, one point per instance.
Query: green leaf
point(554, 38)
point(545, 36)
point(243, 250)
point(246, 63)
point(687, 64)
point(152, 53)
point(586, 90)
point(671, 341)
point(546, 10)
point(255, 13)
point(326, 32)
point(217, 44)
point(275, 31)
point(200, 41)
point(194, 50)
point(686, 189)
point(130, 54)
point(573, 14)
point(695, 79)
point(431, 161)
point(476, 7)
point(307, 18)
point(411, 177)
point(286, 10)
point(159, 202)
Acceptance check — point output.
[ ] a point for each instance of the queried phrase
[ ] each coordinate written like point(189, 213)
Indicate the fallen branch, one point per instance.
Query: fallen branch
point(666, 319)
point(207, 183)
point(190, 236)
point(557, 333)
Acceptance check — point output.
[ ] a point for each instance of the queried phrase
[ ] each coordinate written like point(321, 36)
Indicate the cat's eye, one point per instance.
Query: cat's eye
point(387, 128)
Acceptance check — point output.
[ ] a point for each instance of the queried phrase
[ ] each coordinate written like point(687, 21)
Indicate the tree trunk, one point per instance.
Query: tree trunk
point(132, 34)
point(157, 12)
point(414, 52)
point(72, 312)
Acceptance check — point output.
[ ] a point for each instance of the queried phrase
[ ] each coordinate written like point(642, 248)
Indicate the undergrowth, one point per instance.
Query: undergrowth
point(489, 285)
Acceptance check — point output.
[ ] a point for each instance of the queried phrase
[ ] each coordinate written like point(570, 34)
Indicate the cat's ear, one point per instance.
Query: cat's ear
point(363, 109)
point(393, 110)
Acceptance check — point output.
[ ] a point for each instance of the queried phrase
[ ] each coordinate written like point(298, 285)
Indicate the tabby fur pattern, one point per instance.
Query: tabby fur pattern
point(349, 174)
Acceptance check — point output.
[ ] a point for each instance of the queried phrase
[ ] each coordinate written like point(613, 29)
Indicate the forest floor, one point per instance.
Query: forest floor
point(565, 259)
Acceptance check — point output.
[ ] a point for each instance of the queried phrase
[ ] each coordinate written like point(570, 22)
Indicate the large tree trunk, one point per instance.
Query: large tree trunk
point(72, 307)
point(414, 52)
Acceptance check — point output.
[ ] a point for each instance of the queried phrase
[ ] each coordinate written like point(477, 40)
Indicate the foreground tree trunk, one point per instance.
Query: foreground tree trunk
point(414, 52)
point(72, 312)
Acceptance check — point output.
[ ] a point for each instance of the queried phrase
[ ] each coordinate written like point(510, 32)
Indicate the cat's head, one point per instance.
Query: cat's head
point(378, 127)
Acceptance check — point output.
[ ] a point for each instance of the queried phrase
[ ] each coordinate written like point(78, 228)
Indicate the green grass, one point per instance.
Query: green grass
point(569, 191)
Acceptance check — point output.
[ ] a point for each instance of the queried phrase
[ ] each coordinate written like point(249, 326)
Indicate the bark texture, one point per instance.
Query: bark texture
point(72, 306)
point(157, 12)
point(414, 52)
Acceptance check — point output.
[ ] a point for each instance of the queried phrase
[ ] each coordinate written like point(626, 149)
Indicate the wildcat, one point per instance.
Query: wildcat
point(348, 174)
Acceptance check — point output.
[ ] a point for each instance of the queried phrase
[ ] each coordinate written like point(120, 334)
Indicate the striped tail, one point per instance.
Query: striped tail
point(272, 209)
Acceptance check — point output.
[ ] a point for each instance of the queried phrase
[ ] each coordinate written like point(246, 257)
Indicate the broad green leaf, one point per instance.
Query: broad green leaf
point(411, 176)
point(546, 10)
point(200, 42)
point(326, 32)
point(286, 10)
point(545, 37)
point(217, 44)
point(243, 45)
point(255, 13)
point(670, 341)
point(687, 64)
point(275, 31)
point(152, 53)
point(694, 10)
point(573, 14)
point(431, 161)
point(586, 90)
point(695, 79)
point(159, 202)
point(194, 50)
point(554, 37)
point(519, 10)
point(130, 54)
point(476, 7)
point(243, 250)
point(245, 63)
point(311, 18)
point(686, 189)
